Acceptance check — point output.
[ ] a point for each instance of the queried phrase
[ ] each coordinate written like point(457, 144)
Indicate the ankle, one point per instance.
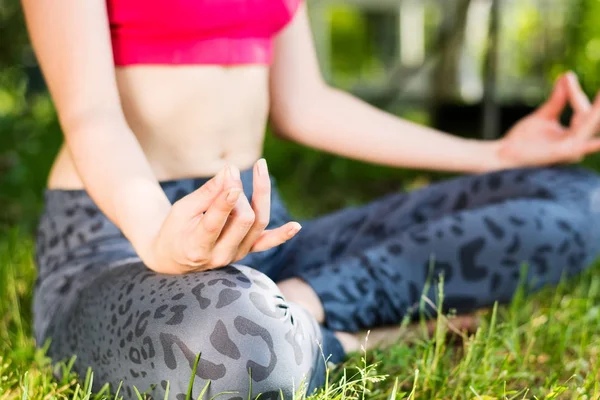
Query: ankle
point(296, 291)
point(349, 341)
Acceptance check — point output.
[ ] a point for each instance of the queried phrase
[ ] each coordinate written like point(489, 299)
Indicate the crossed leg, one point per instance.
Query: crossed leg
point(366, 267)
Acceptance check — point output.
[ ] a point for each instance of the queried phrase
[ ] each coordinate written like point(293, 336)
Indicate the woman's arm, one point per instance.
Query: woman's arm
point(72, 42)
point(306, 110)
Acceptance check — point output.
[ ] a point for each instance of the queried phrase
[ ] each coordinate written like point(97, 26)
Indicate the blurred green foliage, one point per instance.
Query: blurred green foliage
point(582, 47)
point(30, 133)
point(12, 33)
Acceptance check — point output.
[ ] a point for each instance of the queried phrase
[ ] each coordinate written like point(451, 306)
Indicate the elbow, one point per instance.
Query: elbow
point(286, 126)
point(295, 119)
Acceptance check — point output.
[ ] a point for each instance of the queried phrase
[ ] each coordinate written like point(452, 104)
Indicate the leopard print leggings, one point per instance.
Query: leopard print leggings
point(369, 266)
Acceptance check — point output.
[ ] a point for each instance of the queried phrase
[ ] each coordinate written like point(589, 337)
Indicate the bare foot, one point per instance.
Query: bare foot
point(386, 336)
point(297, 291)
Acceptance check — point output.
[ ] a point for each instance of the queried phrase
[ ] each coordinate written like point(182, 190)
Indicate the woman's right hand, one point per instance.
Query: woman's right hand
point(216, 225)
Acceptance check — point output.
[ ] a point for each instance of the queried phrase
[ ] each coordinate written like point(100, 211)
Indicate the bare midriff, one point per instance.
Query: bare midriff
point(189, 120)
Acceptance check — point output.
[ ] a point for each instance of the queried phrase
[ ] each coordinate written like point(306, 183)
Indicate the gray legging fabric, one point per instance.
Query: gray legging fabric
point(95, 299)
point(368, 265)
point(147, 329)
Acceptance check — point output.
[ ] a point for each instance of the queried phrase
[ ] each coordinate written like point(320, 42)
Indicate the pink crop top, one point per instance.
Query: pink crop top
point(224, 32)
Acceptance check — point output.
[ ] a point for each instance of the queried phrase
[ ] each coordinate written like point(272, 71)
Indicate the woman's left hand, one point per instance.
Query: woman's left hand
point(539, 139)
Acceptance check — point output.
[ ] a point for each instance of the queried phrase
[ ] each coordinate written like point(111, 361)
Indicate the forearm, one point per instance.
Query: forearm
point(344, 125)
point(71, 39)
point(118, 177)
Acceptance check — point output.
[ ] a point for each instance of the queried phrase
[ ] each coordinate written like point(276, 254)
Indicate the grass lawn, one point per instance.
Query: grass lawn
point(543, 347)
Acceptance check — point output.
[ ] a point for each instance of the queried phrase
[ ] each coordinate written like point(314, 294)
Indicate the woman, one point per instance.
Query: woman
point(154, 248)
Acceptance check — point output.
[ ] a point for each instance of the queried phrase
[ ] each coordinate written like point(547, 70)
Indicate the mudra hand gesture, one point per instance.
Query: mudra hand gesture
point(540, 139)
point(216, 225)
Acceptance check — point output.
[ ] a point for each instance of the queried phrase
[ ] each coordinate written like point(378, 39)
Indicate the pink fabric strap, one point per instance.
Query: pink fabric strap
point(223, 32)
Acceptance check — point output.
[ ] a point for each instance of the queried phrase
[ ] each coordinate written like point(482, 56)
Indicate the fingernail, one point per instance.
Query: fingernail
point(233, 172)
point(295, 228)
point(261, 167)
point(233, 195)
point(219, 177)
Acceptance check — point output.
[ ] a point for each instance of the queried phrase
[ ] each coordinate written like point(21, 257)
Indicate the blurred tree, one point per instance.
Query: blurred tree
point(452, 36)
point(351, 49)
point(491, 120)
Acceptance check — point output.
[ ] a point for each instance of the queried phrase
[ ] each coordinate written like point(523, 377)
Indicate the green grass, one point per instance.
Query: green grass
point(542, 347)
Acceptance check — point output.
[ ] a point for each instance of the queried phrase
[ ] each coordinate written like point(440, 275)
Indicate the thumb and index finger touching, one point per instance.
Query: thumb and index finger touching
point(556, 103)
point(567, 90)
point(577, 99)
point(588, 113)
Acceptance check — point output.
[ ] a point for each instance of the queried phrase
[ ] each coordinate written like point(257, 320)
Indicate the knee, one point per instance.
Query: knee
point(566, 184)
point(248, 337)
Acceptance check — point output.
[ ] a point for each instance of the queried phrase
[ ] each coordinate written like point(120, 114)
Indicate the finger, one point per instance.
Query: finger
point(232, 187)
point(232, 177)
point(200, 199)
point(577, 98)
point(555, 105)
point(207, 229)
point(591, 147)
point(275, 237)
point(575, 149)
point(590, 123)
point(235, 230)
point(261, 205)
point(213, 221)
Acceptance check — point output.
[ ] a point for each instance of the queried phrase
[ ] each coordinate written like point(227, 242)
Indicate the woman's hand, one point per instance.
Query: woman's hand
point(539, 139)
point(216, 225)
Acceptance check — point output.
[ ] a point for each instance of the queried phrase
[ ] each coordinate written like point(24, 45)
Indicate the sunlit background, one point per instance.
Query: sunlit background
point(470, 67)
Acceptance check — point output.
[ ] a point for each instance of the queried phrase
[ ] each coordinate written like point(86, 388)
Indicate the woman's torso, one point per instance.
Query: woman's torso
point(193, 82)
point(189, 120)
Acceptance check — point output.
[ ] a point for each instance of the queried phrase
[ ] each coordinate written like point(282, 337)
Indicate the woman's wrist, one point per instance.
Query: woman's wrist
point(145, 239)
point(141, 223)
point(491, 156)
point(472, 156)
